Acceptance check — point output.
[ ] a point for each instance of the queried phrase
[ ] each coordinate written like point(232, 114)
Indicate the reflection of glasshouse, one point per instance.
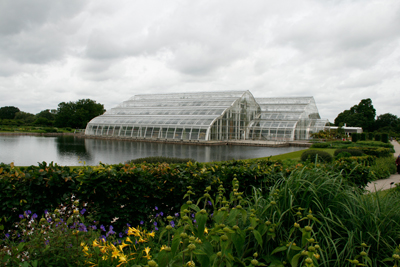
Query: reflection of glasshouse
point(228, 115)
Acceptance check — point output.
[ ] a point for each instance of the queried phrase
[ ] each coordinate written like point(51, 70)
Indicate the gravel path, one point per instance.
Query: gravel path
point(389, 182)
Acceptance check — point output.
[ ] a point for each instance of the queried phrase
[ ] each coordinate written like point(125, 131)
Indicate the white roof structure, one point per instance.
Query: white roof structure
point(204, 116)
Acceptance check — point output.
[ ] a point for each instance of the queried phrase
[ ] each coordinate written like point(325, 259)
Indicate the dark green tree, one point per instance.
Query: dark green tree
point(77, 114)
point(8, 112)
point(47, 114)
point(361, 115)
point(387, 122)
point(24, 116)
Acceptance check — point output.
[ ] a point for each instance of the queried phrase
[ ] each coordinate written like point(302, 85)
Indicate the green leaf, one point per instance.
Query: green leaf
point(201, 220)
point(295, 260)
point(279, 249)
point(258, 237)
point(238, 240)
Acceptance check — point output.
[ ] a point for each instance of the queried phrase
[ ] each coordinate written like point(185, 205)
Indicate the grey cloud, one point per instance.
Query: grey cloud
point(24, 15)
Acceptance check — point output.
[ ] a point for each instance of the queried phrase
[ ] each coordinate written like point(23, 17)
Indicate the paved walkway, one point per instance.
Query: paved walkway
point(389, 182)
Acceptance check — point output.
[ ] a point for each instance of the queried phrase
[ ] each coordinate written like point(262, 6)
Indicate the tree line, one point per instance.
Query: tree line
point(68, 114)
point(363, 115)
point(78, 114)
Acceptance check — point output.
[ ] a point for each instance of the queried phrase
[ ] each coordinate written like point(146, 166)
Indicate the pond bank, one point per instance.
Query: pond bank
point(300, 143)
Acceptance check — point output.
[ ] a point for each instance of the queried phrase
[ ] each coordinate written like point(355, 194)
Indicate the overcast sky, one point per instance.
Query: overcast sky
point(338, 51)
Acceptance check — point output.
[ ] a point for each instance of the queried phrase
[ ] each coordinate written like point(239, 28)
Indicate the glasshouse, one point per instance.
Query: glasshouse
point(209, 116)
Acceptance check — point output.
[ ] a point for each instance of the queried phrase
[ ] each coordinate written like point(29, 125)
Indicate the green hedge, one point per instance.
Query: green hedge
point(159, 160)
point(352, 152)
point(320, 145)
point(129, 192)
point(311, 155)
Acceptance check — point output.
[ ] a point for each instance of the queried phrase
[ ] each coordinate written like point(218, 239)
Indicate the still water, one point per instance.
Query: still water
point(69, 150)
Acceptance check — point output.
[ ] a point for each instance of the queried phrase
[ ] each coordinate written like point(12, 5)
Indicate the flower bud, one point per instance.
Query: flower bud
point(168, 249)
point(255, 255)
point(311, 249)
point(192, 238)
point(308, 229)
point(219, 254)
point(267, 223)
point(189, 202)
point(152, 263)
point(207, 195)
point(170, 218)
point(296, 225)
point(42, 220)
point(309, 216)
point(226, 230)
point(235, 227)
point(203, 211)
point(185, 218)
point(254, 262)
point(239, 207)
point(208, 188)
point(183, 235)
point(76, 202)
point(224, 238)
point(308, 260)
point(76, 212)
point(168, 227)
point(363, 253)
point(317, 247)
point(192, 247)
point(273, 203)
point(250, 228)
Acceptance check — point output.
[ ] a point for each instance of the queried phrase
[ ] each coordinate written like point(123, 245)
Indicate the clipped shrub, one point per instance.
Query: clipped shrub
point(370, 136)
point(320, 145)
point(385, 138)
point(352, 152)
point(379, 152)
point(354, 137)
point(312, 154)
point(375, 143)
point(158, 159)
point(343, 155)
point(363, 137)
point(377, 137)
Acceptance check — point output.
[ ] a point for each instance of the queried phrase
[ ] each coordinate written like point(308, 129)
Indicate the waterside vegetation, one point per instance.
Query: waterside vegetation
point(261, 212)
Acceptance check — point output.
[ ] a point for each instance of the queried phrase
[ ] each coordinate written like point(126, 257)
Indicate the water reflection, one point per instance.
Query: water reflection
point(69, 150)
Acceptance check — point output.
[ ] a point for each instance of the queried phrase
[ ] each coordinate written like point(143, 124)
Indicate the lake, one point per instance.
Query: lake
point(70, 150)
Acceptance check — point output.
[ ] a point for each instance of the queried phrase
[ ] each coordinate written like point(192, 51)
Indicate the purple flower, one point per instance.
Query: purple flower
point(155, 223)
point(82, 227)
point(157, 214)
point(103, 228)
point(192, 215)
point(121, 235)
point(111, 232)
point(155, 228)
point(49, 220)
point(141, 222)
point(161, 214)
point(21, 216)
point(209, 203)
point(34, 216)
point(128, 225)
point(194, 221)
point(177, 214)
point(46, 242)
point(8, 235)
point(45, 212)
point(103, 237)
point(172, 223)
point(83, 211)
point(156, 208)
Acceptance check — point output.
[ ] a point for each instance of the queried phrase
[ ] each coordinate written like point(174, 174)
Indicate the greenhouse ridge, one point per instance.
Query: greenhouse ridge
point(210, 116)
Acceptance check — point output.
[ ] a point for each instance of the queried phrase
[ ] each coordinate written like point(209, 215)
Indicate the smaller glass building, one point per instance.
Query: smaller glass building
point(206, 116)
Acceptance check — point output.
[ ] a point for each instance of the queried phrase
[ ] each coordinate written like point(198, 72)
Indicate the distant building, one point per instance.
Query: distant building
point(347, 130)
point(208, 116)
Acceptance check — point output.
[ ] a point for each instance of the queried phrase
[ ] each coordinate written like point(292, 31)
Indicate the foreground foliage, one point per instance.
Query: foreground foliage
point(309, 218)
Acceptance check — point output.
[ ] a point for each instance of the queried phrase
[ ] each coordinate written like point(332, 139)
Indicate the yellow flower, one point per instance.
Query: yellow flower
point(147, 250)
point(133, 231)
point(95, 243)
point(82, 244)
point(152, 234)
point(104, 257)
point(121, 247)
point(206, 230)
point(115, 254)
point(122, 258)
point(141, 240)
point(128, 240)
point(163, 247)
